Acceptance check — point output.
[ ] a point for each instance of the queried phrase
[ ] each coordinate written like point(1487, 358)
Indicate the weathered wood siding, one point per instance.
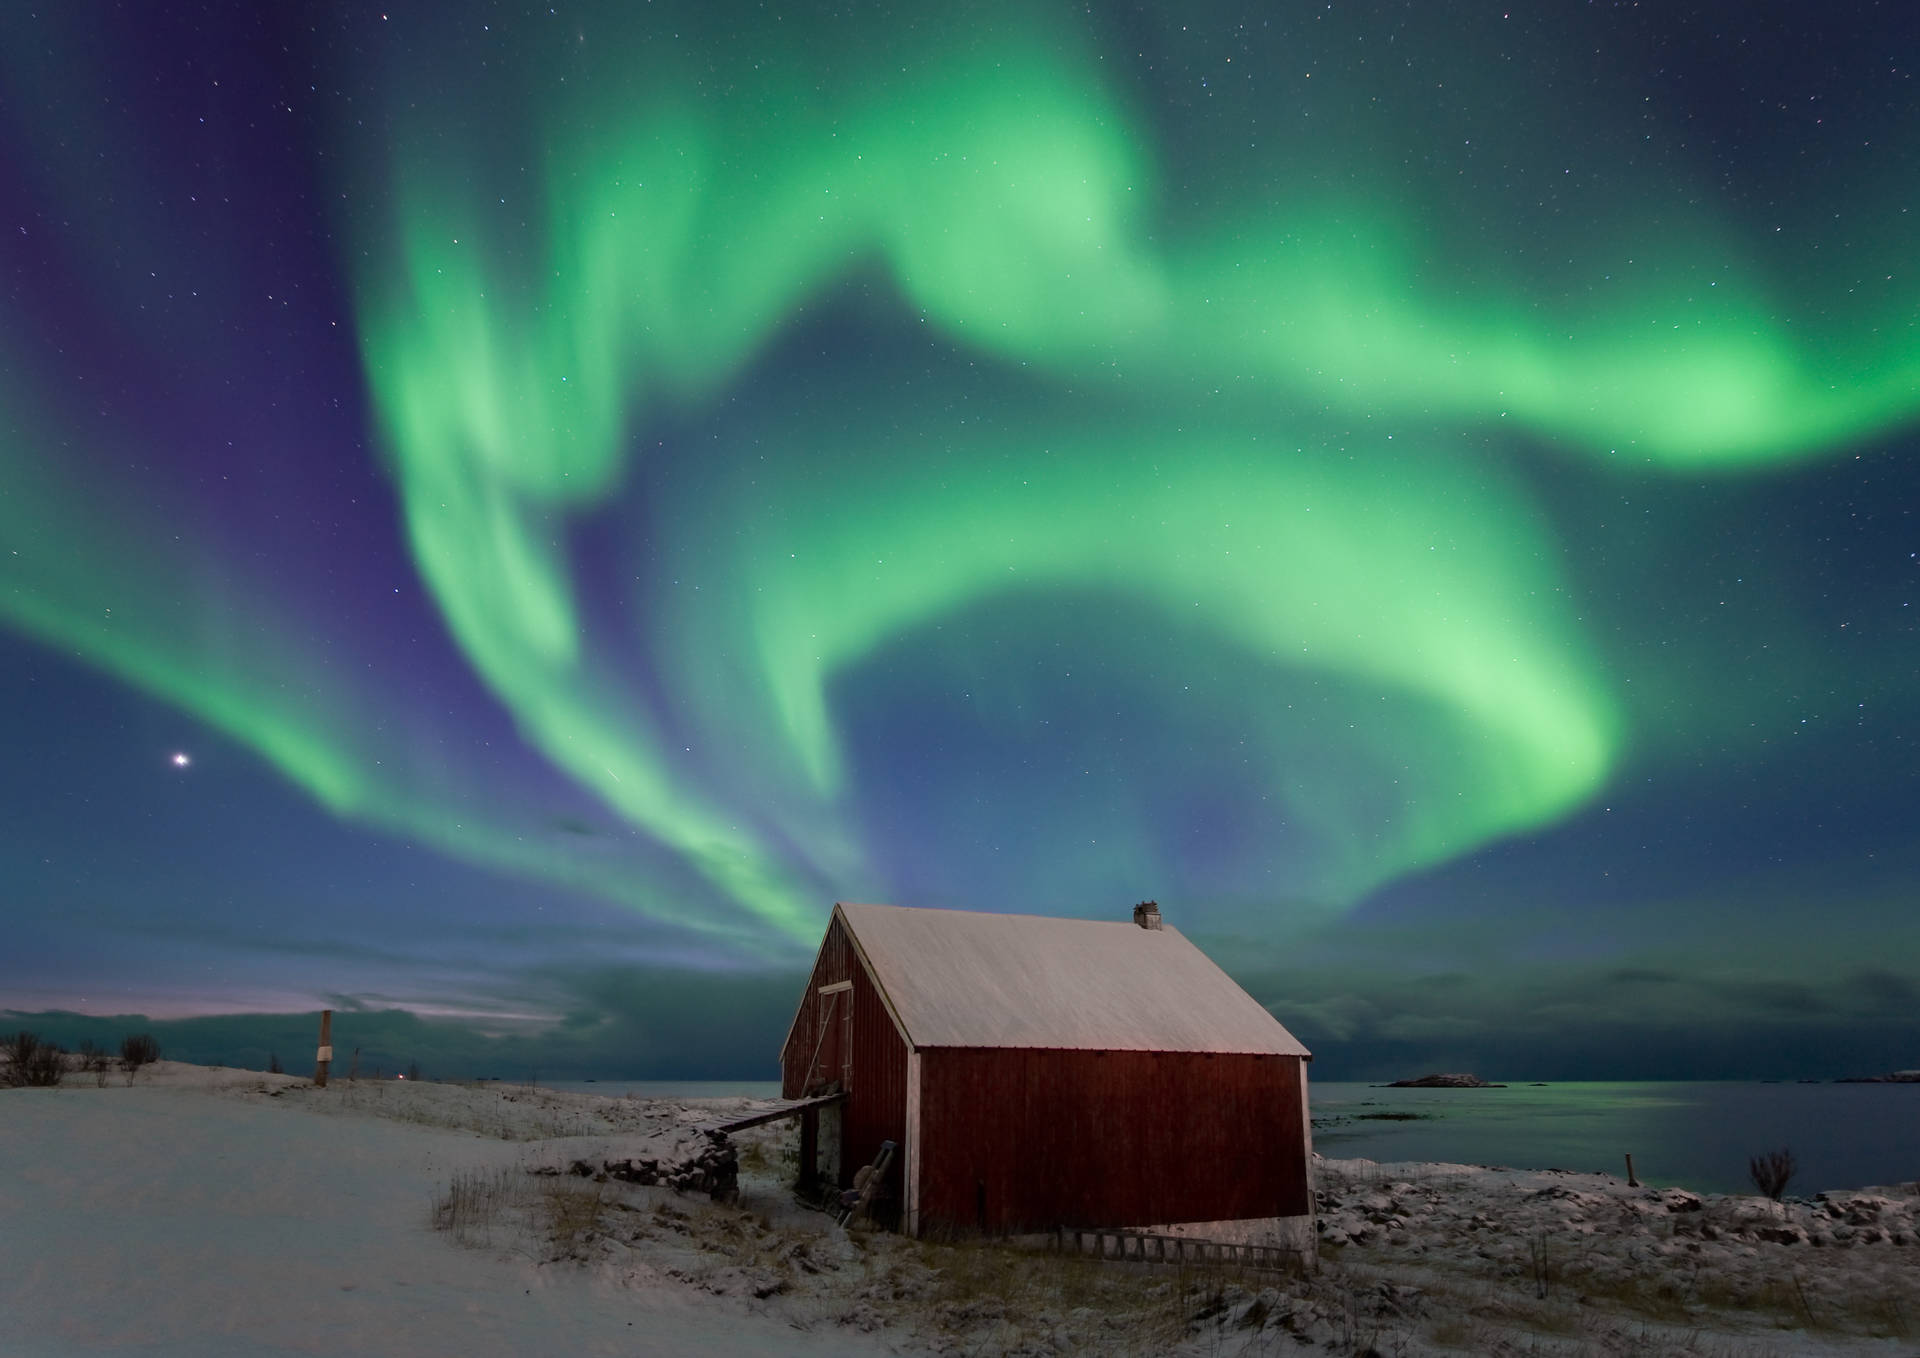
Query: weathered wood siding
point(876, 1078)
point(1025, 1139)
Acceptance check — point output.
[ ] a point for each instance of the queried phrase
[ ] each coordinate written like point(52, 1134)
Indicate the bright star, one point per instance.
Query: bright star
point(181, 759)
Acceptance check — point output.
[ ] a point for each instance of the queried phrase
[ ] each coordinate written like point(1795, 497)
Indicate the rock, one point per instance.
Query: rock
point(1395, 1300)
point(1250, 1314)
point(1861, 1209)
point(707, 1164)
point(862, 1317)
point(1455, 1081)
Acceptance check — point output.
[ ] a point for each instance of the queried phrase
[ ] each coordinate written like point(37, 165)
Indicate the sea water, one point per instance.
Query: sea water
point(1689, 1135)
point(667, 1089)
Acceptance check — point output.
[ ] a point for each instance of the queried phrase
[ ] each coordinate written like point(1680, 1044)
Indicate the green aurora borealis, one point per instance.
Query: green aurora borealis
point(1001, 460)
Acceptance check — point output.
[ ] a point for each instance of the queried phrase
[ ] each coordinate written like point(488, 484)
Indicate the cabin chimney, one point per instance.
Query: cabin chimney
point(1147, 914)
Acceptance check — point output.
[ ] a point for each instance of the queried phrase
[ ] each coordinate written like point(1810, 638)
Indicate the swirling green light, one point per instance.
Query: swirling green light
point(148, 606)
point(1005, 190)
point(1371, 568)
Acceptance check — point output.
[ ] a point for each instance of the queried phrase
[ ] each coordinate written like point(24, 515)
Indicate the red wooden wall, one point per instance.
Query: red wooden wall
point(1025, 1139)
point(876, 1106)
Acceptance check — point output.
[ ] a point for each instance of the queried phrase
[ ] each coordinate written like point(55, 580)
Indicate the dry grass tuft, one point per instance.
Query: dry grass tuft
point(476, 1201)
point(572, 1215)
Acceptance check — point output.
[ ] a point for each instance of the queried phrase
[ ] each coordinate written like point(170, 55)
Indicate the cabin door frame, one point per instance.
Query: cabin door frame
point(833, 1043)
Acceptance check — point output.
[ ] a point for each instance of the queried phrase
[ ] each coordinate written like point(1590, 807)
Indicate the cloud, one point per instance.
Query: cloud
point(615, 1023)
point(1883, 990)
point(1576, 1020)
point(1430, 1028)
point(1642, 975)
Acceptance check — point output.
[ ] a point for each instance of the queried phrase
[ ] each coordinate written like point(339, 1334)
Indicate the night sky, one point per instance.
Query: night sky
point(506, 514)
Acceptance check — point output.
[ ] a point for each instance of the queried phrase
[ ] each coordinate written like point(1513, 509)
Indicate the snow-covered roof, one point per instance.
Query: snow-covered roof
point(960, 979)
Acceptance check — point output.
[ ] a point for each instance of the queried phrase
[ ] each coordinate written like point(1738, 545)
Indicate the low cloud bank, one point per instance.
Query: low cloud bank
point(610, 1024)
point(1565, 1022)
point(1597, 1023)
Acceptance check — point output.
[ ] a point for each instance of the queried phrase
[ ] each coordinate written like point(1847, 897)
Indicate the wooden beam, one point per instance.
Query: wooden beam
point(791, 1110)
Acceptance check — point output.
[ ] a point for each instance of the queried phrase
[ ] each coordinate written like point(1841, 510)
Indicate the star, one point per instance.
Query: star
point(181, 759)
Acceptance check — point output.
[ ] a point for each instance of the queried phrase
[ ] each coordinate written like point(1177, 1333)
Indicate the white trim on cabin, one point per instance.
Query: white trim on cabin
point(1306, 1114)
point(1306, 1145)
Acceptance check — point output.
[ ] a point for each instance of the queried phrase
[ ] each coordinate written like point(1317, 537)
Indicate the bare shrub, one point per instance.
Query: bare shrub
point(49, 1066)
point(137, 1050)
point(18, 1049)
point(95, 1061)
point(31, 1062)
point(1771, 1171)
point(273, 1064)
point(1541, 1254)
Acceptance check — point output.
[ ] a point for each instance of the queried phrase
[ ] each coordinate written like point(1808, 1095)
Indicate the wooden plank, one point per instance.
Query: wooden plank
point(790, 1110)
point(1142, 1247)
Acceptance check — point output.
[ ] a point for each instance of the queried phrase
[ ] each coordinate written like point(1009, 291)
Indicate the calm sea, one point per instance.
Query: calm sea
point(1693, 1135)
point(668, 1089)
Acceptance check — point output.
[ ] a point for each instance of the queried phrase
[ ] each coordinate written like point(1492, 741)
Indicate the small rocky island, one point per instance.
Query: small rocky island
point(1445, 1082)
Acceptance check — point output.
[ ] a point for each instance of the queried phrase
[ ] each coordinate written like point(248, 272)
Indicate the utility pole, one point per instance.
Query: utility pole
point(325, 1056)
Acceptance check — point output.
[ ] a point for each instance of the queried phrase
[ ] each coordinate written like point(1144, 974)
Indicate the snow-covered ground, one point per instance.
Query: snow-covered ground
point(216, 1212)
point(199, 1214)
point(1494, 1253)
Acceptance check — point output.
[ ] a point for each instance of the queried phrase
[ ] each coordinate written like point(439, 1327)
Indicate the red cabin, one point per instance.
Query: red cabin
point(1038, 1073)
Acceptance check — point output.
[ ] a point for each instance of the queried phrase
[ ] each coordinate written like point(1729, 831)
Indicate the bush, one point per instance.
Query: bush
point(137, 1050)
point(273, 1064)
point(31, 1062)
point(95, 1061)
point(1771, 1171)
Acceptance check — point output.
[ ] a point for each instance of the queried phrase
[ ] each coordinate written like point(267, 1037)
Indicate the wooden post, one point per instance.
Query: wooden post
point(809, 1147)
point(324, 1058)
point(1631, 1181)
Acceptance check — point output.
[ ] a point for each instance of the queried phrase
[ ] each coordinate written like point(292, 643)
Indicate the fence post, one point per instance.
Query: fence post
point(324, 1057)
